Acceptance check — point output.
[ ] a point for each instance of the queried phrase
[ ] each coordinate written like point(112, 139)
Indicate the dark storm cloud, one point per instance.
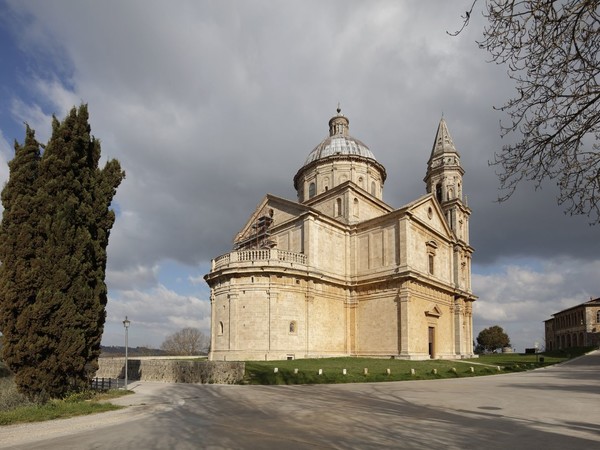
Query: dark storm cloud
point(211, 105)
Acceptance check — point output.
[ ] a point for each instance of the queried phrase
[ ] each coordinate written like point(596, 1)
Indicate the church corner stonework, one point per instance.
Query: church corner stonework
point(341, 273)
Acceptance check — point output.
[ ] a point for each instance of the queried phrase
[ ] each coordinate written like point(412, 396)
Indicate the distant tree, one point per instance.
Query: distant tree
point(188, 341)
point(552, 52)
point(53, 240)
point(492, 338)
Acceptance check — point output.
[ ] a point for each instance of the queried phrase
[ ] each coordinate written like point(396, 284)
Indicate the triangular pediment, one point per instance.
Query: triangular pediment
point(356, 191)
point(270, 212)
point(348, 203)
point(427, 211)
point(434, 311)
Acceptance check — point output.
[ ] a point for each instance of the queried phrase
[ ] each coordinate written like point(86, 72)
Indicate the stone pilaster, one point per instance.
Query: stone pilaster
point(458, 327)
point(213, 321)
point(233, 320)
point(404, 308)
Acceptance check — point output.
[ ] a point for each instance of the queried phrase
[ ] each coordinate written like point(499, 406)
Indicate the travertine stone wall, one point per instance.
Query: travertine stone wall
point(257, 319)
point(172, 371)
point(378, 323)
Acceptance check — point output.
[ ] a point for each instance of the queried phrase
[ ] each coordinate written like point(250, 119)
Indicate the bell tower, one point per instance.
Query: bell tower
point(444, 179)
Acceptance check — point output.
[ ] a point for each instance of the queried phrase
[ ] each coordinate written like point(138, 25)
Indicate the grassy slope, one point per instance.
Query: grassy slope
point(262, 372)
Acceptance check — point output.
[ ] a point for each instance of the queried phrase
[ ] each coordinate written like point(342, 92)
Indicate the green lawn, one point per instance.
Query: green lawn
point(548, 358)
point(263, 372)
point(54, 409)
point(16, 408)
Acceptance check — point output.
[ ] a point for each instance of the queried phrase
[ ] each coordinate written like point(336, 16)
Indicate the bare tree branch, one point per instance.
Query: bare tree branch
point(551, 49)
point(466, 18)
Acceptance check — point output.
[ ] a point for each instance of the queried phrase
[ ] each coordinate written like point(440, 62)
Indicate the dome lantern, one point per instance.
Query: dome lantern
point(337, 159)
point(338, 124)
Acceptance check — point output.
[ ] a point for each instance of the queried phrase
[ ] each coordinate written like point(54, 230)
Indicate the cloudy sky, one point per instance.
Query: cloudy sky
point(209, 105)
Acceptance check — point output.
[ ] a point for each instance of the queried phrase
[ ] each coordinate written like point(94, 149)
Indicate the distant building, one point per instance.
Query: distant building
point(342, 273)
point(578, 326)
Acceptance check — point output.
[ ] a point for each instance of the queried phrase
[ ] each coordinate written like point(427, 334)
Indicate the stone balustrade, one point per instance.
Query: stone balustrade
point(272, 256)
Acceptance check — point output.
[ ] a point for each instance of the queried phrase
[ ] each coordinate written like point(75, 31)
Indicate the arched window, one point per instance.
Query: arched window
point(355, 207)
point(438, 192)
point(221, 327)
point(293, 327)
point(373, 188)
point(312, 190)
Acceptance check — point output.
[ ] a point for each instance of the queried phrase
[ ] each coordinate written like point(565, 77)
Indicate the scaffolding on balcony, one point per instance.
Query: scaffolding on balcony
point(259, 236)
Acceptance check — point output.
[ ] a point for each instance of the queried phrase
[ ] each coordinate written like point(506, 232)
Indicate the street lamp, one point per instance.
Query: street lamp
point(126, 323)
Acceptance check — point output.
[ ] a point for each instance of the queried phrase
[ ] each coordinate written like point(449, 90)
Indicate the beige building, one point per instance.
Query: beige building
point(578, 326)
point(342, 273)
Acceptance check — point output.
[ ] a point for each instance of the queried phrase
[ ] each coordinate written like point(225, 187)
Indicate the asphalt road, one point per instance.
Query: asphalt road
point(552, 408)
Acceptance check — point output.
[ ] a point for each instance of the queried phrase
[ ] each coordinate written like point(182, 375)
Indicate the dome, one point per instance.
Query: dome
point(339, 143)
point(337, 159)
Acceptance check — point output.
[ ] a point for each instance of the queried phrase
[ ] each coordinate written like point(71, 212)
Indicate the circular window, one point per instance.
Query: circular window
point(430, 212)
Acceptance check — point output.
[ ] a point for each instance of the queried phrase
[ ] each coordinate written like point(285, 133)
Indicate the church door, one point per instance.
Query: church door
point(431, 341)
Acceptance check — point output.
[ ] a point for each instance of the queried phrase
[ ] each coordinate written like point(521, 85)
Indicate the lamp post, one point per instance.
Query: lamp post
point(126, 323)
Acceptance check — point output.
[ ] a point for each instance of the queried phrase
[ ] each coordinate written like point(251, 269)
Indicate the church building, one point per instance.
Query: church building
point(339, 272)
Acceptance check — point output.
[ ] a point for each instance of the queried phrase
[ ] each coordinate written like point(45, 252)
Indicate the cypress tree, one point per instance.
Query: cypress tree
point(19, 282)
point(62, 327)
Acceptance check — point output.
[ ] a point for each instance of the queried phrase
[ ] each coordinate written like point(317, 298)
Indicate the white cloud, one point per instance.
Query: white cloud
point(520, 297)
point(154, 314)
point(34, 116)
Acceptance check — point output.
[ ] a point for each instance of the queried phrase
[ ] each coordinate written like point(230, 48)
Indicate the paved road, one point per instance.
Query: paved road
point(552, 408)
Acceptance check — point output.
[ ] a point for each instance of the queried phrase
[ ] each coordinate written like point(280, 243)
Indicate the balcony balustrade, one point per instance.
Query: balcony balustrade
point(272, 257)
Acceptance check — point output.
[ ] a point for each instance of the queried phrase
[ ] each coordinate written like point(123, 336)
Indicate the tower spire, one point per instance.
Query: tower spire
point(443, 141)
point(444, 179)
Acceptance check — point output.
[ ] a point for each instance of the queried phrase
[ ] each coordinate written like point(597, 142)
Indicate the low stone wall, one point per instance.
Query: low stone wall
point(172, 371)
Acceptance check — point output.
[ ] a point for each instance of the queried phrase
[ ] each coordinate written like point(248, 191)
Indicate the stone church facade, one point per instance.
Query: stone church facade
point(341, 273)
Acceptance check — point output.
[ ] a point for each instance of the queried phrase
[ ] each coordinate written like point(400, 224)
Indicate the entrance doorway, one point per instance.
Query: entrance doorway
point(431, 333)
